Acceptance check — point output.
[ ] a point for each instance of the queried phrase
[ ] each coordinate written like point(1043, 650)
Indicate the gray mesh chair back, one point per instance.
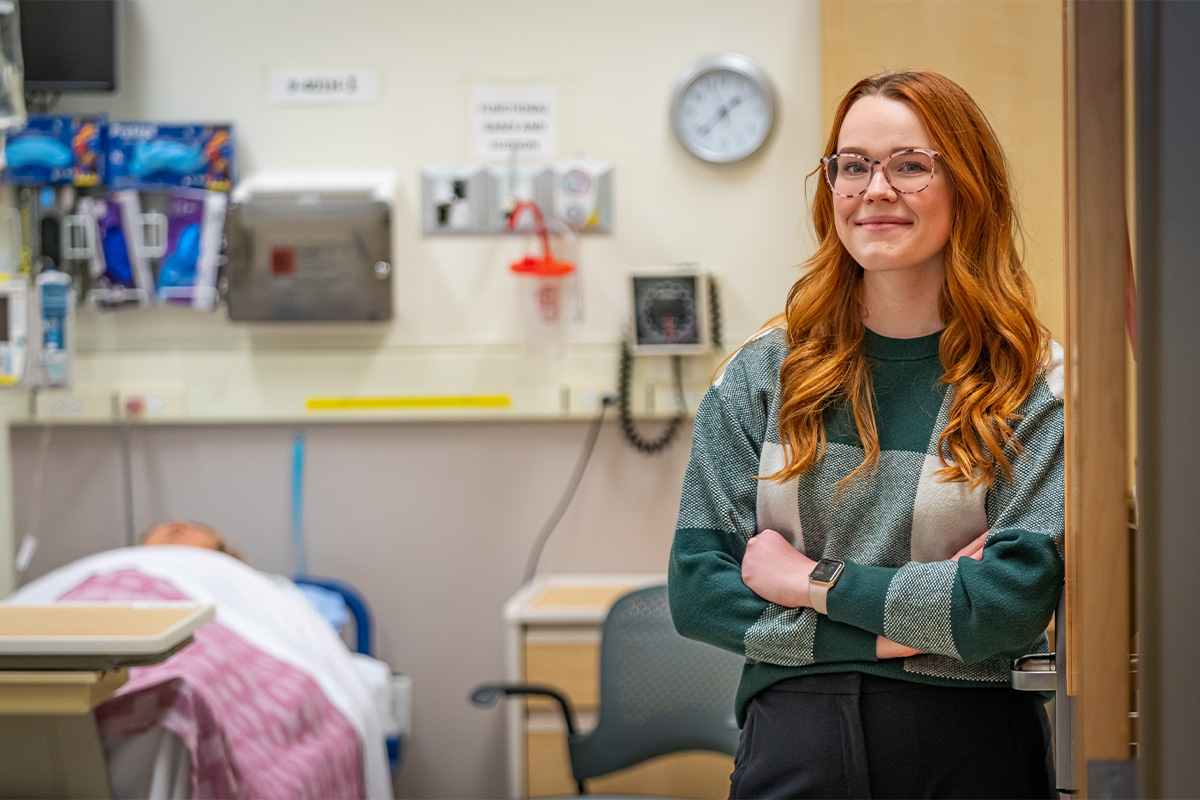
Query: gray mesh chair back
point(659, 692)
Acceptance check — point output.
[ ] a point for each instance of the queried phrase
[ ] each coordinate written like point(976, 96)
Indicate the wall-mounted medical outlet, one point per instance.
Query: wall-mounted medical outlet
point(454, 200)
point(467, 199)
point(509, 185)
point(581, 193)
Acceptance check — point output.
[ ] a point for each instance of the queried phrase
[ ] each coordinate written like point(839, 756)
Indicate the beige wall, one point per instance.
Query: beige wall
point(432, 520)
point(1008, 55)
point(613, 65)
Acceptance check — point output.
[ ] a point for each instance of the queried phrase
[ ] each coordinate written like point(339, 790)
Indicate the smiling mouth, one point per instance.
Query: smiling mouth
point(882, 225)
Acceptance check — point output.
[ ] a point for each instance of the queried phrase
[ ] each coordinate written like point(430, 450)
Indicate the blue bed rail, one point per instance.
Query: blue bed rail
point(354, 602)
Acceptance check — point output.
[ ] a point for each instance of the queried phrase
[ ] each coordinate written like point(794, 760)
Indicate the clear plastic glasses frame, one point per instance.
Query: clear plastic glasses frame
point(870, 165)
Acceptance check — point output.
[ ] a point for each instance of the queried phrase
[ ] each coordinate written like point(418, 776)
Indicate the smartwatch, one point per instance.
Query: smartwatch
point(824, 575)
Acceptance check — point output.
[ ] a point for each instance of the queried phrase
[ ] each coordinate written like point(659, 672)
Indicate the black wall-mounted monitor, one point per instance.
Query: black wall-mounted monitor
point(69, 45)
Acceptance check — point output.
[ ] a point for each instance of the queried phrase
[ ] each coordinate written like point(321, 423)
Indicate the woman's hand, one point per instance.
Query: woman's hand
point(886, 648)
point(974, 549)
point(776, 571)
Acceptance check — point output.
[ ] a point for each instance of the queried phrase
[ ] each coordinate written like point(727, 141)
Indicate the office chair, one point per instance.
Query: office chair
point(659, 692)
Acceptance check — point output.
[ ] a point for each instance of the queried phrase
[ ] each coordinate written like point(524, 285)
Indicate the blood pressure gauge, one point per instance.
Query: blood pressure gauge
point(670, 311)
point(723, 108)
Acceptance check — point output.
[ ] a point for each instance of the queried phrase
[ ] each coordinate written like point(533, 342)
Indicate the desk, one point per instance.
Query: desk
point(57, 663)
point(553, 627)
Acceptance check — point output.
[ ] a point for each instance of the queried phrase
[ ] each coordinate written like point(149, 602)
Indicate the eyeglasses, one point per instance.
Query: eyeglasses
point(906, 171)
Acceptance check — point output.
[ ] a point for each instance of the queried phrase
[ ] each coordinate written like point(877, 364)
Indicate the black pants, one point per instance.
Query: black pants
point(856, 735)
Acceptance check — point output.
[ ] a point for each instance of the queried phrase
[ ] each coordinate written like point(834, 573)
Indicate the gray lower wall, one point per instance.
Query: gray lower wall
point(432, 521)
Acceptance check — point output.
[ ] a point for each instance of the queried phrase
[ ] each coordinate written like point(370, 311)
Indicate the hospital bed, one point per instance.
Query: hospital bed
point(267, 702)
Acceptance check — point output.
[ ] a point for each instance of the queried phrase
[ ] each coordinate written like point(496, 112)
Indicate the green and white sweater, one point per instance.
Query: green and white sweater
point(895, 530)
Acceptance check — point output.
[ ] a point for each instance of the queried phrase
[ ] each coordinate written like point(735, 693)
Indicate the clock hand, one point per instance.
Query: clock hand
point(720, 115)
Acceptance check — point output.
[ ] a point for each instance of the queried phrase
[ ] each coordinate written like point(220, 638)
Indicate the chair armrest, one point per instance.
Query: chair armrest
point(487, 694)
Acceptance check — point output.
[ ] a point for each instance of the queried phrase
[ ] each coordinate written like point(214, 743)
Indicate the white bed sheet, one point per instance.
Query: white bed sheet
point(271, 614)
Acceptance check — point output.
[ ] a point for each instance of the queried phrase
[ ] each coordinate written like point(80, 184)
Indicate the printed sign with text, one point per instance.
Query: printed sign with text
point(521, 118)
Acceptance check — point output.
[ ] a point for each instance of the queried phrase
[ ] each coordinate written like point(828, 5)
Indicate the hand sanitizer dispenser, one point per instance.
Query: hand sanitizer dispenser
point(55, 304)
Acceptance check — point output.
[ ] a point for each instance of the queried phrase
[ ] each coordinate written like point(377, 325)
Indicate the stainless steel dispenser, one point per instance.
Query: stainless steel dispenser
point(311, 246)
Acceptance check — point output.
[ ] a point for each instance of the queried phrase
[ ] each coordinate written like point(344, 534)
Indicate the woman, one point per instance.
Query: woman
point(873, 510)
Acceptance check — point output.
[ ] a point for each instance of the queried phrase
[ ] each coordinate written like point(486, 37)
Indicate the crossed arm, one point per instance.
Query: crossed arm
point(778, 573)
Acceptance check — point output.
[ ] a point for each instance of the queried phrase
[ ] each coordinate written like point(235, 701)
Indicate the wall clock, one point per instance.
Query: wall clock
point(723, 108)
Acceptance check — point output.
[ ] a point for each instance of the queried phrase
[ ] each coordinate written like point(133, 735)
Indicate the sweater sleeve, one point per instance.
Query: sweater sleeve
point(717, 516)
point(972, 610)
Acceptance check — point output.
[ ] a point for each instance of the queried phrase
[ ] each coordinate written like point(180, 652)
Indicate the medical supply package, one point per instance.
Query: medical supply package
point(147, 155)
point(57, 149)
point(119, 274)
point(195, 226)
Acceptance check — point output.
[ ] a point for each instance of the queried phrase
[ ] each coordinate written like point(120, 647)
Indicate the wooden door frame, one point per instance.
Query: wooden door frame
point(1097, 540)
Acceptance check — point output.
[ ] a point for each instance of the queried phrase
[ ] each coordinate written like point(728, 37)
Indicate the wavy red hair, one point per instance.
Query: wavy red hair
point(992, 346)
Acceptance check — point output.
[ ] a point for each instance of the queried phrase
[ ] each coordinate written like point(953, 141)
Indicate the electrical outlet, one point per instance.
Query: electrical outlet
point(667, 399)
point(80, 404)
point(585, 399)
point(153, 403)
point(454, 200)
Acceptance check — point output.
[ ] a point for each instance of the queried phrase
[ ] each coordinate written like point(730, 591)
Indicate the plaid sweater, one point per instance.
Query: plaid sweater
point(895, 530)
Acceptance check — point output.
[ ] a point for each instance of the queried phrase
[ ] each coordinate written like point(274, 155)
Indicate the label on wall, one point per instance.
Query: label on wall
point(323, 86)
point(521, 118)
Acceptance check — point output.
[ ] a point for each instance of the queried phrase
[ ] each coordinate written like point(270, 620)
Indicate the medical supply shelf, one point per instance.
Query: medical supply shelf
point(553, 627)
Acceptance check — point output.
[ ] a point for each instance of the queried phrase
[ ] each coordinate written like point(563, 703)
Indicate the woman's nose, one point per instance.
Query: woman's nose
point(878, 187)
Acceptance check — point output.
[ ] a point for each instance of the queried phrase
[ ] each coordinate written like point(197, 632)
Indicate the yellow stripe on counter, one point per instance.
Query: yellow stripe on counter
point(408, 401)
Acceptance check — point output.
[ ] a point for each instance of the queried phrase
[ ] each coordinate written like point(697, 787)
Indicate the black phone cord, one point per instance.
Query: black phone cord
point(647, 446)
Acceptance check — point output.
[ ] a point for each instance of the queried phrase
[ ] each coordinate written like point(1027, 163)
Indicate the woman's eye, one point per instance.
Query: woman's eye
point(853, 168)
point(912, 168)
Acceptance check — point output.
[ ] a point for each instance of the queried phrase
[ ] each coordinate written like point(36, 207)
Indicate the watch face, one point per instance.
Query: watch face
point(825, 570)
point(723, 109)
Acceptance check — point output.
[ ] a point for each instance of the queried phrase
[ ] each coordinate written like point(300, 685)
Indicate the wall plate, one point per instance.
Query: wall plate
point(454, 200)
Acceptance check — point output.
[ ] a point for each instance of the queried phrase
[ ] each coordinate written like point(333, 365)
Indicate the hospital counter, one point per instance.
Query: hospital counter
point(57, 663)
point(553, 637)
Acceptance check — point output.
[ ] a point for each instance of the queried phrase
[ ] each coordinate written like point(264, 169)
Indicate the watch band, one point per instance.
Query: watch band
point(818, 594)
point(824, 576)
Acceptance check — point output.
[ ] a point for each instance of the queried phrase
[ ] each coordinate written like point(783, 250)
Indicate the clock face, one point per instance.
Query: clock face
point(723, 109)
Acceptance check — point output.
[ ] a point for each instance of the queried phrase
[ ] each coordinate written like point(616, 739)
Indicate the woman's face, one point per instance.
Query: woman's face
point(883, 229)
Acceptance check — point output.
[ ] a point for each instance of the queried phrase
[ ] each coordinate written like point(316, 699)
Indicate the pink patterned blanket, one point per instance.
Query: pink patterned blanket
point(256, 727)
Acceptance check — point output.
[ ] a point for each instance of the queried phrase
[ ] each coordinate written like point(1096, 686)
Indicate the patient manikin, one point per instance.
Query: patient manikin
point(189, 533)
point(192, 534)
point(266, 616)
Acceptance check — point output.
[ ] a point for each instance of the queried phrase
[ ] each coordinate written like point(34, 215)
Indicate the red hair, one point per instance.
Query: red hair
point(993, 344)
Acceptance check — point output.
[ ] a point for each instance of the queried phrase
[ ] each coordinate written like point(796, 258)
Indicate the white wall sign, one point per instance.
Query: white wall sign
point(323, 86)
point(521, 118)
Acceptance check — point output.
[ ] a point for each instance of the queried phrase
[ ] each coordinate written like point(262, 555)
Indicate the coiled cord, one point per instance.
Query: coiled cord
point(714, 309)
point(625, 375)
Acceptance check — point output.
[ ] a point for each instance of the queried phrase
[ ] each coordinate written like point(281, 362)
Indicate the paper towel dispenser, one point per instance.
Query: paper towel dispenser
point(311, 246)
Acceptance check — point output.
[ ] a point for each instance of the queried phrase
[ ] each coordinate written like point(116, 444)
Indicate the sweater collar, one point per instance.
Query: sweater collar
point(884, 348)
